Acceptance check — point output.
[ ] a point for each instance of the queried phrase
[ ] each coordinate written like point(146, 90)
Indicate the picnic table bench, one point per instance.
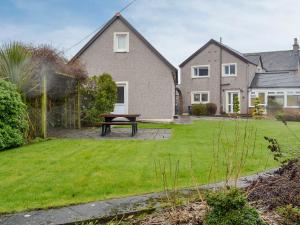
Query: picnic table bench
point(110, 119)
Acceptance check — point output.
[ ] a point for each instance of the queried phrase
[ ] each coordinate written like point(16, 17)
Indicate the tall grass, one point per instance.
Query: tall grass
point(230, 152)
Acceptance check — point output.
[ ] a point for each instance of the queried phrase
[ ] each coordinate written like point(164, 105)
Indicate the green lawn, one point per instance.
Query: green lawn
point(61, 172)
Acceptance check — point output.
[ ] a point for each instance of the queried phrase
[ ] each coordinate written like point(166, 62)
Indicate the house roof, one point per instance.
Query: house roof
point(275, 80)
point(256, 59)
point(110, 22)
point(224, 47)
point(277, 60)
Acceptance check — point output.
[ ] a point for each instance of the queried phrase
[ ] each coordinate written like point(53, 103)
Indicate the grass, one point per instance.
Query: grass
point(64, 171)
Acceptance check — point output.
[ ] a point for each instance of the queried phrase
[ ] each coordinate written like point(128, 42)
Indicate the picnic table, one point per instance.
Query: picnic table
point(119, 119)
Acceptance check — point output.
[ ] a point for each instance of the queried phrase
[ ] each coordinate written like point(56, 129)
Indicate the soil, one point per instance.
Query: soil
point(192, 213)
point(279, 190)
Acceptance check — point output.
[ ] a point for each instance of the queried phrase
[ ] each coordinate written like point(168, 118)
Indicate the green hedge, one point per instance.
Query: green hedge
point(13, 117)
point(204, 109)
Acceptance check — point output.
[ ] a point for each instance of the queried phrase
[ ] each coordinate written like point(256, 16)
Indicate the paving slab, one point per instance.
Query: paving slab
point(116, 133)
point(108, 208)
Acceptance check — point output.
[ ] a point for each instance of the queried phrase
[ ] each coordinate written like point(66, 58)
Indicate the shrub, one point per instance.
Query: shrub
point(13, 117)
point(236, 105)
point(230, 207)
point(283, 116)
point(99, 95)
point(199, 110)
point(290, 213)
point(258, 110)
point(211, 108)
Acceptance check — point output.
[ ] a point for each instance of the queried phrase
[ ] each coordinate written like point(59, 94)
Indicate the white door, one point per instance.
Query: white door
point(121, 106)
point(230, 95)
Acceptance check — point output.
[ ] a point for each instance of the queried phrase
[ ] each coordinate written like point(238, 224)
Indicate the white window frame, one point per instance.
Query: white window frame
point(275, 92)
point(115, 42)
point(256, 93)
point(227, 100)
point(199, 92)
point(229, 75)
point(197, 66)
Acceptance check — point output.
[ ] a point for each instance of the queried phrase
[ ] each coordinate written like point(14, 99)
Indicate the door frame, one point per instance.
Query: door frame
point(125, 84)
point(227, 100)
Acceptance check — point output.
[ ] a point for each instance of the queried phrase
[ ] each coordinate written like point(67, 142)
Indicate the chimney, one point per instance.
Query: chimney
point(296, 45)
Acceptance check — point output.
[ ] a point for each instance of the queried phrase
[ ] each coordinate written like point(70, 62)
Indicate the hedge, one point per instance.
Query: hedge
point(13, 117)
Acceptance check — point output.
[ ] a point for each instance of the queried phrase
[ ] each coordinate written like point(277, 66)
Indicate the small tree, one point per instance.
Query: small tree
point(99, 95)
point(236, 105)
point(258, 110)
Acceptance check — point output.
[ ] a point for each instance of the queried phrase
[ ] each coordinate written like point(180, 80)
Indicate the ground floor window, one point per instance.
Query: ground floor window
point(273, 99)
point(199, 97)
point(230, 96)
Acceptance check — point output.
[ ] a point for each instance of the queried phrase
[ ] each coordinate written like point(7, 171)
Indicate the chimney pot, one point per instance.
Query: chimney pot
point(296, 45)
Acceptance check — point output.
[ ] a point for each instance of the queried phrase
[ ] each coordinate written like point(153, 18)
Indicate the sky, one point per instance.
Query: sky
point(176, 28)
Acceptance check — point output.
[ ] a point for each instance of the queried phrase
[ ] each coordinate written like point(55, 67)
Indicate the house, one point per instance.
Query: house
point(217, 73)
point(146, 81)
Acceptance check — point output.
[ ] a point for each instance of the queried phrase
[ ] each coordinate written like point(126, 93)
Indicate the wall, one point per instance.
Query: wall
point(211, 56)
point(150, 82)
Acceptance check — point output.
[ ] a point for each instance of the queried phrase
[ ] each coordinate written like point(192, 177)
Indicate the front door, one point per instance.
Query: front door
point(230, 95)
point(121, 106)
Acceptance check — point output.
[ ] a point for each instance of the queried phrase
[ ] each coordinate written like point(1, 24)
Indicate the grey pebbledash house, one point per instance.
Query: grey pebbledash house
point(217, 73)
point(146, 80)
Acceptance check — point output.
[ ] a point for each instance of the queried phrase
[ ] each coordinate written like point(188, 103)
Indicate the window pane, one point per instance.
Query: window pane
point(226, 70)
point(293, 100)
point(232, 69)
point(275, 102)
point(203, 71)
point(204, 97)
point(252, 100)
point(120, 94)
point(121, 38)
point(195, 71)
point(261, 97)
point(196, 97)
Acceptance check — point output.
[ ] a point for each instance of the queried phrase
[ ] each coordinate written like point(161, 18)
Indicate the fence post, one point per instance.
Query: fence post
point(44, 107)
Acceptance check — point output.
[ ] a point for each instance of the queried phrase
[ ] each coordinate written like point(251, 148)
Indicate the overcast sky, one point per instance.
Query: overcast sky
point(176, 28)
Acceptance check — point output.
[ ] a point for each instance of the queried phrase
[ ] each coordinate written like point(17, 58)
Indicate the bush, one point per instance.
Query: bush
point(199, 110)
point(13, 117)
point(99, 95)
point(230, 207)
point(290, 213)
point(258, 110)
point(282, 116)
point(211, 108)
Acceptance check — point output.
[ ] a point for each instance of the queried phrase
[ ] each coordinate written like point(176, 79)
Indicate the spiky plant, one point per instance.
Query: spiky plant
point(16, 66)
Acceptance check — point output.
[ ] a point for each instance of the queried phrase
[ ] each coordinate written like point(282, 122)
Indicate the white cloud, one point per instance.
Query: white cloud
point(178, 28)
point(60, 38)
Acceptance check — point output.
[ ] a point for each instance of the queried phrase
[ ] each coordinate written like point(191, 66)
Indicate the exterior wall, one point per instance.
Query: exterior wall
point(151, 88)
point(211, 56)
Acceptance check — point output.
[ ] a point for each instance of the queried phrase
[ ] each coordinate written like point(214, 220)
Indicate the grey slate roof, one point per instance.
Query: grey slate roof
point(275, 80)
point(277, 60)
point(253, 58)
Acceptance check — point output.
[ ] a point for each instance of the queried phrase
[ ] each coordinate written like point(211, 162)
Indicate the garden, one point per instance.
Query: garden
point(40, 91)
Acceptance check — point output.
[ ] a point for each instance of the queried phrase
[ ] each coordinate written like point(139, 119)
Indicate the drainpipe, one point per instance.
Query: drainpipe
point(221, 102)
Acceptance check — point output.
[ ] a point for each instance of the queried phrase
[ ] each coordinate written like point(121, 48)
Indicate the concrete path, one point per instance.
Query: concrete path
point(116, 133)
point(107, 209)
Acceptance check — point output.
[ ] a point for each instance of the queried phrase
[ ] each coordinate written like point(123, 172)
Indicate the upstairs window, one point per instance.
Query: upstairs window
point(200, 71)
point(229, 69)
point(121, 42)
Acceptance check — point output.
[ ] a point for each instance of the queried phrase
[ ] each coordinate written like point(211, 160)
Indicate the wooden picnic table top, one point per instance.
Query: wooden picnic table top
point(119, 115)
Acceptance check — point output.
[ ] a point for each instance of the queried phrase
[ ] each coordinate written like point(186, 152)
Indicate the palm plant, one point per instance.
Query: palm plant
point(16, 66)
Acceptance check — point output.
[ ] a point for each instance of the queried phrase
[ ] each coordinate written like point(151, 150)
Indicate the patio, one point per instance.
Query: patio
point(116, 133)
